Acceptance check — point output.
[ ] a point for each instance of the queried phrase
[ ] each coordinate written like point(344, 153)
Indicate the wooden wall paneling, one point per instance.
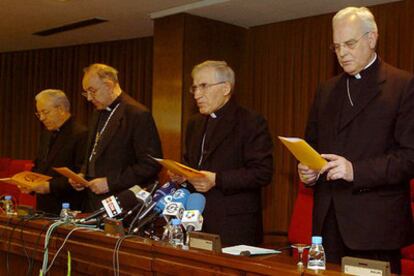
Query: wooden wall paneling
point(168, 82)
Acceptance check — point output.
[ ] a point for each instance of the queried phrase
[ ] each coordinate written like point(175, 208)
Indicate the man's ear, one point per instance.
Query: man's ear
point(227, 88)
point(60, 109)
point(109, 84)
point(372, 38)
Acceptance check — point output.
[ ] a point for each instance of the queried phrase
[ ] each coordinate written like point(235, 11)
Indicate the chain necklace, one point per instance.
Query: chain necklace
point(99, 133)
point(349, 94)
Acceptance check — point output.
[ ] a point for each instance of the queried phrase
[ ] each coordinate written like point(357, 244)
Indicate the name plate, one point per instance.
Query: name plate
point(359, 266)
point(204, 241)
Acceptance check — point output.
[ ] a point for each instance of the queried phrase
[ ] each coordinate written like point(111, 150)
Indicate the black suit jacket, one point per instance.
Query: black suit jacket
point(377, 136)
point(122, 153)
point(240, 153)
point(68, 150)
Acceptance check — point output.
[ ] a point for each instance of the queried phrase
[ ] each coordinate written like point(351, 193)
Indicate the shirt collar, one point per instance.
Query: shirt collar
point(358, 76)
point(114, 103)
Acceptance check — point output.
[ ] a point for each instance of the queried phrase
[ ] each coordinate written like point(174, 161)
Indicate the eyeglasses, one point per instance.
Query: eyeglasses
point(203, 86)
point(43, 113)
point(89, 91)
point(349, 44)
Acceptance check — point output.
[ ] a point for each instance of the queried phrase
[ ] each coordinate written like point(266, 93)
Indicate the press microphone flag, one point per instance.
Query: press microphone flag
point(173, 209)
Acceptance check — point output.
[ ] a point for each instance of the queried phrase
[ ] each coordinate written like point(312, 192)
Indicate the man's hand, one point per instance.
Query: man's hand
point(99, 185)
point(77, 186)
point(307, 175)
point(176, 178)
point(338, 168)
point(40, 188)
point(204, 183)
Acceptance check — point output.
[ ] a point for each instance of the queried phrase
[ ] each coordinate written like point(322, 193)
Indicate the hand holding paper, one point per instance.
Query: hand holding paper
point(76, 180)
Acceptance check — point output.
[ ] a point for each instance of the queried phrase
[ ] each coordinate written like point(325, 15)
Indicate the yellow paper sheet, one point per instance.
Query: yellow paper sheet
point(303, 152)
point(179, 168)
point(71, 175)
point(26, 179)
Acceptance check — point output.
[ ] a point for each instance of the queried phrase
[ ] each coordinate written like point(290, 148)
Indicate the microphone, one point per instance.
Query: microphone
point(128, 199)
point(166, 189)
point(155, 207)
point(196, 201)
point(175, 208)
point(148, 215)
point(192, 219)
point(114, 205)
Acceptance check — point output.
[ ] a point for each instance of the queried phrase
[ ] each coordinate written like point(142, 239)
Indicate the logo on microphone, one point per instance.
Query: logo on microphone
point(179, 194)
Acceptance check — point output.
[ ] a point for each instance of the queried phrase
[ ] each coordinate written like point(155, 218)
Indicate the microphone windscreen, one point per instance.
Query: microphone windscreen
point(127, 199)
point(181, 195)
point(160, 205)
point(196, 201)
point(166, 189)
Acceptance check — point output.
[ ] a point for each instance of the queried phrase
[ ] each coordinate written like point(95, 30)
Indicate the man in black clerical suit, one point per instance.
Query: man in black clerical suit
point(233, 148)
point(121, 136)
point(62, 144)
point(363, 122)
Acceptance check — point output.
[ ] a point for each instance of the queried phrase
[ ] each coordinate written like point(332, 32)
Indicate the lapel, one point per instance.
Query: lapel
point(60, 141)
point(331, 114)
point(222, 129)
point(111, 128)
point(197, 134)
point(370, 90)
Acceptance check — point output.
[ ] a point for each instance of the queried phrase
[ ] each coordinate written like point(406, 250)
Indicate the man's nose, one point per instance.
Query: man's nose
point(342, 51)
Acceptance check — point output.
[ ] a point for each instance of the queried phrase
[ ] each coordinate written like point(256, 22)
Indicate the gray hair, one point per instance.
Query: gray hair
point(362, 13)
point(55, 96)
point(104, 72)
point(223, 71)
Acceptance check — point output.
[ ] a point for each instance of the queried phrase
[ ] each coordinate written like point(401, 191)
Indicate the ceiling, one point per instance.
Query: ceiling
point(132, 18)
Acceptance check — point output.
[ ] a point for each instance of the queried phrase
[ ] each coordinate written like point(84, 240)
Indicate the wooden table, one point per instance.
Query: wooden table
point(22, 242)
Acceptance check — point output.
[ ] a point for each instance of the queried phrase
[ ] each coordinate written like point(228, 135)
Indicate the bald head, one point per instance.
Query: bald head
point(354, 38)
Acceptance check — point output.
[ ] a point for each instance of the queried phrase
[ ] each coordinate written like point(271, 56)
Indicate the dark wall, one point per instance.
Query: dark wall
point(24, 74)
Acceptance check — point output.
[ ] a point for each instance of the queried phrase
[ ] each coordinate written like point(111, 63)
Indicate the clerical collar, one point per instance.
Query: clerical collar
point(114, 103)
point(65, 123)
point(358, 76)
point(222, 110)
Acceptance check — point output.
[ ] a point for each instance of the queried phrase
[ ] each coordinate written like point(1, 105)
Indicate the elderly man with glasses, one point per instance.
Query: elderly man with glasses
point(62, 144)
point(122, 135)
point(363, 122)
point(233, 148)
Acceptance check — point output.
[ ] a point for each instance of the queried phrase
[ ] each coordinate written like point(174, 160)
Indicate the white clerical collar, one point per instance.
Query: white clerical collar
point(213, 115)
point(358, 76)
